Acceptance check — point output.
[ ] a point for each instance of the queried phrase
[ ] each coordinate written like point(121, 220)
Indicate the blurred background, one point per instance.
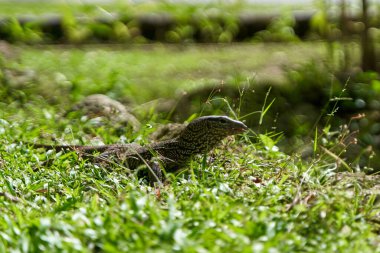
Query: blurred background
point(299, 71)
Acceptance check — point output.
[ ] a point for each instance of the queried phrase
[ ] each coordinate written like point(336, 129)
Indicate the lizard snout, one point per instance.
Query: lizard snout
point(239, 127)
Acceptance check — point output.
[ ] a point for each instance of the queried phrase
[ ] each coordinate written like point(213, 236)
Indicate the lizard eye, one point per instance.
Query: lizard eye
point(223, 121)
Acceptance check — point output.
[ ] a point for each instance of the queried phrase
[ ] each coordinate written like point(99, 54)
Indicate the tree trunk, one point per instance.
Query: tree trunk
point(368, 52)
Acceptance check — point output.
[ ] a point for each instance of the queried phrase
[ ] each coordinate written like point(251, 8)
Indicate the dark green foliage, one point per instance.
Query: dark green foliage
point(168, 22)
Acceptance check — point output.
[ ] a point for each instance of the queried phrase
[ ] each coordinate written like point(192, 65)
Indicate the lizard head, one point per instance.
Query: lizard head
point(210, 130)
point(222, 125)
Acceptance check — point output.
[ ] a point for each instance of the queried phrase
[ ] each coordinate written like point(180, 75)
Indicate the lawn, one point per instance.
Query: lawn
point(147, 72)
point(103, 8)
point(244, 196)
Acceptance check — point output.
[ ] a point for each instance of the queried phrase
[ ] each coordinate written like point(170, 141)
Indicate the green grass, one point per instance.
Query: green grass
point(8, 8)
point(143, 73)
point(247, 197)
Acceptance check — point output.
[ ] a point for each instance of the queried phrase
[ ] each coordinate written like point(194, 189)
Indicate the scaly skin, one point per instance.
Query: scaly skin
point(199, 137)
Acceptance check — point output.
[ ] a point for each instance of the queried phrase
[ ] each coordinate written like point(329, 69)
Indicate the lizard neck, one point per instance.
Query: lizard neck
point(200, 141)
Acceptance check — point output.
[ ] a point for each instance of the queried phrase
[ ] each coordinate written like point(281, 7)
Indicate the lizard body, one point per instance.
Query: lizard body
point(198, 137)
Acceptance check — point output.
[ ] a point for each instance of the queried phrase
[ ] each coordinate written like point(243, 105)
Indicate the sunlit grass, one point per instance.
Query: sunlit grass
point(143, 73)
point(246, 196)
point(99, 8)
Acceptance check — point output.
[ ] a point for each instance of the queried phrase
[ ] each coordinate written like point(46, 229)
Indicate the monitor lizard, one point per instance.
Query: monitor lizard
point(198, 137)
